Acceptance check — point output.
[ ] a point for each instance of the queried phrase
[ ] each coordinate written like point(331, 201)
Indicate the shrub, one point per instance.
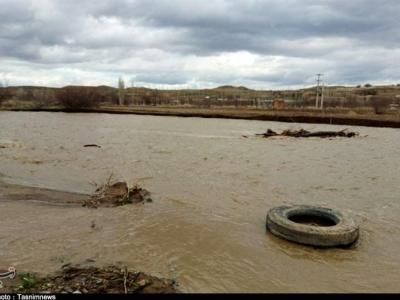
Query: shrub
point(380, 103)
point(147, 99)
point(77, 97)
point(42, 98)
point(28, 282)
point(4, 94)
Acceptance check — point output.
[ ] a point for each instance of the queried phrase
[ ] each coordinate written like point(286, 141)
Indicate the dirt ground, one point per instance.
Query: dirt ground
point(91, 280)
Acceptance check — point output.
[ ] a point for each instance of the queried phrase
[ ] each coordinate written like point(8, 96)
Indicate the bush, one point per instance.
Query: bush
point(77, 97)
point(4, 94)
point(380, 103)
point(42, 98)
point(147, 99)
point(368, 85)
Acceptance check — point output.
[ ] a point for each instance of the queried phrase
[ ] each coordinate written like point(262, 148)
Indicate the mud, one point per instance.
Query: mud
point(94, 280)
point(11, 192)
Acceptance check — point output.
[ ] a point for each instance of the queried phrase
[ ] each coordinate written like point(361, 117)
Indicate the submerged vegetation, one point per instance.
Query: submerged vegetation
point(28, 282)
point(113, 194)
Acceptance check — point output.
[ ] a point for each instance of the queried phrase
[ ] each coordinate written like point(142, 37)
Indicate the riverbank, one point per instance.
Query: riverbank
point(89, 279)
point(12, 192)
point(291, 116)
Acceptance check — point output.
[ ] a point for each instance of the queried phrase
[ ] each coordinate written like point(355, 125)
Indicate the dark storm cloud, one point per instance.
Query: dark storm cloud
point(178, 42)
point(256, 25)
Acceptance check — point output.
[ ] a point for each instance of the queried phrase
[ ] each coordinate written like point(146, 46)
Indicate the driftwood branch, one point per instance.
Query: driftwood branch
point(304, 133)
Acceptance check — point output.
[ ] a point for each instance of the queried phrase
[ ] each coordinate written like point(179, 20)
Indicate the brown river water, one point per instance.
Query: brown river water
point(212, 189)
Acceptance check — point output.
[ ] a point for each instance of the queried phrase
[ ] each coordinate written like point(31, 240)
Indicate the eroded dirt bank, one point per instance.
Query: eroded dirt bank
point(91, 280)
point(11, 192)
point(290, 116)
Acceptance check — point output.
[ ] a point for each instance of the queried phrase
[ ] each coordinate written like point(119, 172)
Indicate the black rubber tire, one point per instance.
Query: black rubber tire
point(344, 233)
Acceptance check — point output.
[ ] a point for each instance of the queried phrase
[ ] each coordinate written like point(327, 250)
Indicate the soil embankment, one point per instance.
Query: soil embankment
point(111, 195)
point(93, 280)
point(9, 192)
point(291, 116)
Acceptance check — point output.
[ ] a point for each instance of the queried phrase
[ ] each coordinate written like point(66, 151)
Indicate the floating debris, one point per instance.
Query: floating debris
point(9, 144)
point(92, 280)
point(304, 133)
point(117, 194)
point(92, 145)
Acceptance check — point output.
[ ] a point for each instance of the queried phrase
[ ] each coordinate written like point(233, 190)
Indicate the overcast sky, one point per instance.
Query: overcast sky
point(186, 43)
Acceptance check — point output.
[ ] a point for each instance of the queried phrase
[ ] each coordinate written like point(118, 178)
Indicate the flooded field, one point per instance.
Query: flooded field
point(211, 189)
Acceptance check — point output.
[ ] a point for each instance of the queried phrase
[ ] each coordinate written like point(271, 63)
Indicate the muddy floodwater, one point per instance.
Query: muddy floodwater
point(212, 189)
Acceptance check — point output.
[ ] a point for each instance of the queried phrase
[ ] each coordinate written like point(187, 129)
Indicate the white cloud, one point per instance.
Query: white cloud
point(177, 43)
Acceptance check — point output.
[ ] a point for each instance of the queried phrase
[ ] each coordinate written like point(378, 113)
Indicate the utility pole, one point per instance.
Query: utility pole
point(322, 96)
point(133, 90)
point(121, 91)
point(319, 80)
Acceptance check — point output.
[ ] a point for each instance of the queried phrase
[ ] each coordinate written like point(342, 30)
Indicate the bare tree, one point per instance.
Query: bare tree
point(4, 92)
point(147, 98)
point(121, 91)
point(132, 91)
point(43, 98)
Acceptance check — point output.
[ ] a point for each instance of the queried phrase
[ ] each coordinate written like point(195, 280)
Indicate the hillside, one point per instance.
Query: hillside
point(335, 96)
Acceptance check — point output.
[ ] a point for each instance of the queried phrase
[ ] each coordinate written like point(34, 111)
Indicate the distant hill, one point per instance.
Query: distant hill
point(232, 88)
point(142, 95)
